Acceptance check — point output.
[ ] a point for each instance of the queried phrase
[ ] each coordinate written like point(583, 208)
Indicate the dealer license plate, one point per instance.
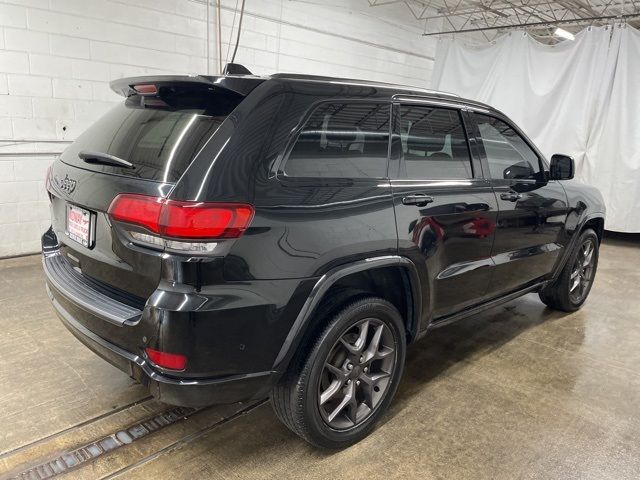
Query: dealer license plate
point(79, 225)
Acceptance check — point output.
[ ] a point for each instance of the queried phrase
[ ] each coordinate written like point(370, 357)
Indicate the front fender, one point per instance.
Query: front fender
point(585, 205)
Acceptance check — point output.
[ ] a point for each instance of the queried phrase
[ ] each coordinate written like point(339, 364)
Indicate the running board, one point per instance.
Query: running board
point(442, 321)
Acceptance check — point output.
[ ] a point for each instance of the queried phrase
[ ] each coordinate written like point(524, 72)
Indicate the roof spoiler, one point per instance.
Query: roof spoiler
point(238, 85)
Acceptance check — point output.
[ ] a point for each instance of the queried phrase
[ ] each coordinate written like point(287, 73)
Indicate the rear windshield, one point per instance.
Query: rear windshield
point(160, 136)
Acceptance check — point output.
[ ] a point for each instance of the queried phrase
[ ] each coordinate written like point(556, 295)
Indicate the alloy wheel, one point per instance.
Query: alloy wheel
point(582, 272)
point(356, 374)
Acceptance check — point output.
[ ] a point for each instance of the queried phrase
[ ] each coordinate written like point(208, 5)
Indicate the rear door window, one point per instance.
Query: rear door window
point(342, 140)
point(160, 136)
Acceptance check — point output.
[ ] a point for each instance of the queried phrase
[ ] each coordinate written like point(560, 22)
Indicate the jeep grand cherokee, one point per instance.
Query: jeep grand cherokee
point(236, 237)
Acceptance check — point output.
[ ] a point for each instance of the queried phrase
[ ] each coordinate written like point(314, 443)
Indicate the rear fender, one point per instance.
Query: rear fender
point(303, 321)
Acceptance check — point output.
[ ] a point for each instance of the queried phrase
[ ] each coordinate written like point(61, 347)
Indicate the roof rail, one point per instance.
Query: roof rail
point(354, 81)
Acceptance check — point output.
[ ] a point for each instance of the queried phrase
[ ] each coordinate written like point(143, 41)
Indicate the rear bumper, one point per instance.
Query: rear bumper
point(88, 295)
point(230, 334)
point(175, 391)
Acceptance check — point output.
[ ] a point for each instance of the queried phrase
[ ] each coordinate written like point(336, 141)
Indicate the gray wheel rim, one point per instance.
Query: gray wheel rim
point(356, 374)
point(582, 271)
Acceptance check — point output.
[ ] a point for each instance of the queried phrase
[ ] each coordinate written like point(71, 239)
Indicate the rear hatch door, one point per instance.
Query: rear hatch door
point(156, 135)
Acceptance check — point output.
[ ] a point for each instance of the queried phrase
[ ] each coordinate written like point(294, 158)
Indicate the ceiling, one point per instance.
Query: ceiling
point(490, 18)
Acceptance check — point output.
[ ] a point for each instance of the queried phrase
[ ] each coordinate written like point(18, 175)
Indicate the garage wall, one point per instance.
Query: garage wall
point(57, 57)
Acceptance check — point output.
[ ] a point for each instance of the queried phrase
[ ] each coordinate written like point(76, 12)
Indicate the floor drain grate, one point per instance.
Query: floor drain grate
point(75, 458)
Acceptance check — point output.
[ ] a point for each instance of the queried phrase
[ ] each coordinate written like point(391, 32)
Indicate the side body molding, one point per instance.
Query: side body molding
point(325, 282)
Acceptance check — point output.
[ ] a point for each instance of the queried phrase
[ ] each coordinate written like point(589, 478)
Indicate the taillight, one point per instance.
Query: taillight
point(170, 361)
point(204, 220)
point(172, 219)
point(137, 210)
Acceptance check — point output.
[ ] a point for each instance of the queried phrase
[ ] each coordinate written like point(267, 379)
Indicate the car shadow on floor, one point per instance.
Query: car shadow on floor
point(451, 346)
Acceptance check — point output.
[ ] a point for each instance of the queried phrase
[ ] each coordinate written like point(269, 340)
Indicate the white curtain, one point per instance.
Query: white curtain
point(581, 98)
point(612, 161)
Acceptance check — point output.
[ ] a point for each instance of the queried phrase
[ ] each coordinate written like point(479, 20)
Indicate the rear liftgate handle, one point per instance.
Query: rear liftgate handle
point(418, 199)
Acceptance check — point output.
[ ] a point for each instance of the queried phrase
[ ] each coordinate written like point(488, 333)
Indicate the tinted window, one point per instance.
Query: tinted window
point(508, 154)
point(160, 136)
point(434, 145)
point(342, 140)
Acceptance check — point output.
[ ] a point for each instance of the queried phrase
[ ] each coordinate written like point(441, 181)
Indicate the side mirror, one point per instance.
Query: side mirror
point(562, 167)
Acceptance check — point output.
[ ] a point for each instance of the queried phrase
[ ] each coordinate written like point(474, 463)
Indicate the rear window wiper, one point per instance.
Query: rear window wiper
point(104, 159)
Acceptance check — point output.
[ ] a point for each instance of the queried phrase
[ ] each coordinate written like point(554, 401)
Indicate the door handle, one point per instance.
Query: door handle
point(418, 199)
point(511, 196)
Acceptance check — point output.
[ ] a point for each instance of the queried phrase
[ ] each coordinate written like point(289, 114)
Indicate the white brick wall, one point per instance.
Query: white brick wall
point(58, 56)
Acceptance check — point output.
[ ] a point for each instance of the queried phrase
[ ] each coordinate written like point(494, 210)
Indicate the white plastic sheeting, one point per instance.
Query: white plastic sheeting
point(581, 98)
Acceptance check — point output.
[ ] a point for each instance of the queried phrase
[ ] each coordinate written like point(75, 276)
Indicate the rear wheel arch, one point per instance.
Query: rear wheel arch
point(395, 283)
point(392, 278)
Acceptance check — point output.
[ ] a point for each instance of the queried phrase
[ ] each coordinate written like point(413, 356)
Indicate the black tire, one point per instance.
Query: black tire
point(561, 295)
point(297, 399)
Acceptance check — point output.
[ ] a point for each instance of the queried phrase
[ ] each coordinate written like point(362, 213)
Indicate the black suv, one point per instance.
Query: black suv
point(236, 237)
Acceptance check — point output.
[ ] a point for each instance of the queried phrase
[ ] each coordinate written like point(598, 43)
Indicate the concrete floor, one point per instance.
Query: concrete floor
point(517, 392)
